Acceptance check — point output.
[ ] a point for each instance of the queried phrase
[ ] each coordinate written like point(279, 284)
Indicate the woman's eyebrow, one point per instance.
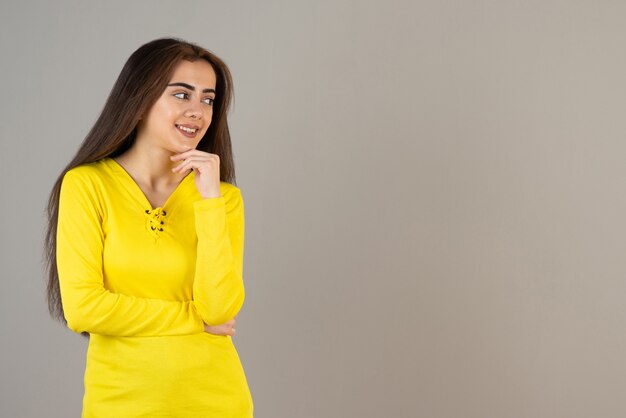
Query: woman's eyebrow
point(190, 87)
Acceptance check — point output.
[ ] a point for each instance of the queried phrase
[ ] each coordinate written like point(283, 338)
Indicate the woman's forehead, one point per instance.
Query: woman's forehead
point(199, 74)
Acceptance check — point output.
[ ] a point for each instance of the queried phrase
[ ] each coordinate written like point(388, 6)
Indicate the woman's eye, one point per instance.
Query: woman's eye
point(209, 101)
point(181, 95)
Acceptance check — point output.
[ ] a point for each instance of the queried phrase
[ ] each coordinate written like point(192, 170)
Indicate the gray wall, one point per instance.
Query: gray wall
point(434, 197)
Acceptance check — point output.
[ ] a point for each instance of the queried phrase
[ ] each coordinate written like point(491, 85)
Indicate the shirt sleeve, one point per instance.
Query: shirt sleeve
point(218, 289)
point(87, 305)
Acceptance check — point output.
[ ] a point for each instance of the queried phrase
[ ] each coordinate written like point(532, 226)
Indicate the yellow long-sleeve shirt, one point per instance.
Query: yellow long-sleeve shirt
point(142, 282)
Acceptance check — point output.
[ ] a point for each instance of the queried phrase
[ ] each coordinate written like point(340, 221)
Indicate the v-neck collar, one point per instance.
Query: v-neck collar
point(137, 192)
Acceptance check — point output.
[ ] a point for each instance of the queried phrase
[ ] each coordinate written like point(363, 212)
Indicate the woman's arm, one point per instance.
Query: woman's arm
point(218, 289)
point(87, 305)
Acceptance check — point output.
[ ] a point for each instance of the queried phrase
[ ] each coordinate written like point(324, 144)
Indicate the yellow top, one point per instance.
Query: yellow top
point(142, 282)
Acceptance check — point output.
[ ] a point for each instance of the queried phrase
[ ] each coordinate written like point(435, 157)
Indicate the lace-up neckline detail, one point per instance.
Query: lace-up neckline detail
point(155, 221)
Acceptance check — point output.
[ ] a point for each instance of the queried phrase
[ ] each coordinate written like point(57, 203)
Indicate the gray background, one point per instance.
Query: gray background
point(434, 198)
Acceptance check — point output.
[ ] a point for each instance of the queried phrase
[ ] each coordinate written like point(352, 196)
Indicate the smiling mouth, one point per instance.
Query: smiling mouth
point(187, 130)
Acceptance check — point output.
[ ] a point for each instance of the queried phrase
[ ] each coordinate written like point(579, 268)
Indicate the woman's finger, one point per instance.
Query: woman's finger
point(192, 152)
point(186, 164)
point(192, 162)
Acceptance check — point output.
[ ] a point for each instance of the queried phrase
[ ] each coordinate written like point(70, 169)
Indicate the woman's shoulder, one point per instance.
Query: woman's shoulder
point(231, 193)
point(96, 168)
point(232, 196)
point(93, 173)
point(229, 189)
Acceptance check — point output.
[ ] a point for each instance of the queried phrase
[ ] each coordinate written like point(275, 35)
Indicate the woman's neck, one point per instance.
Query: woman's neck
point(151, 167)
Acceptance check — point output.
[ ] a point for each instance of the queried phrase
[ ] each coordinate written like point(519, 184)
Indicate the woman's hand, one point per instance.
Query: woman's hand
point(227, 328)
point(206, 167)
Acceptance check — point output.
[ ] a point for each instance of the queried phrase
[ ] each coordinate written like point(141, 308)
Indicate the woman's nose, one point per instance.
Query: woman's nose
point(194, 111)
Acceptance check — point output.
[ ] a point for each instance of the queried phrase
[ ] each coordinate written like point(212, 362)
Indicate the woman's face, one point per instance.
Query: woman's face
point(181, 116)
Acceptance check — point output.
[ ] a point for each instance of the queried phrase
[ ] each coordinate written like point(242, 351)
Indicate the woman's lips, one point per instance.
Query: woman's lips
point(188, 130)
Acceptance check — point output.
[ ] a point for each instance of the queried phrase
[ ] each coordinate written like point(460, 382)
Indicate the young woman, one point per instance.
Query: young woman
point(145, 242)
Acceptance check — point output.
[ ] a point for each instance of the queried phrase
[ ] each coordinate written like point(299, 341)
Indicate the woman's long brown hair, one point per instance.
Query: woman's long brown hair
point(141, 82)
